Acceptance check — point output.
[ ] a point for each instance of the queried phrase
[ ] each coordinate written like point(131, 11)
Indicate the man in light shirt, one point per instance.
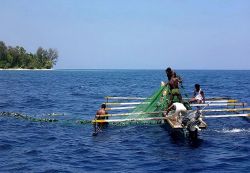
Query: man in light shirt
point(180, 111)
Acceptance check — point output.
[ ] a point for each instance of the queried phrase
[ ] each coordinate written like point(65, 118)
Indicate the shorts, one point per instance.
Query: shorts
point(175, 91)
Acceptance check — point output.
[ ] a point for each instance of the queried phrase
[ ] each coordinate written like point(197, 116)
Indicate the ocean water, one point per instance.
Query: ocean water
point(68, 146)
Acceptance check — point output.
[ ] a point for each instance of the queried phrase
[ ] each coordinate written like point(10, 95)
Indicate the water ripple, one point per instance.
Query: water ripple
point(65, 146)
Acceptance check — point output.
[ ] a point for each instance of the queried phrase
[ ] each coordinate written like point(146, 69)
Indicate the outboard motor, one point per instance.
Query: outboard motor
point(192, 121)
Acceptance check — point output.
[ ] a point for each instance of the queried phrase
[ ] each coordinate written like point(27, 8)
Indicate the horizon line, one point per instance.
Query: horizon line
point(138, 69)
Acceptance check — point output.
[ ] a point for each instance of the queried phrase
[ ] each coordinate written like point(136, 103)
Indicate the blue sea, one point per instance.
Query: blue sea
point(68, 96)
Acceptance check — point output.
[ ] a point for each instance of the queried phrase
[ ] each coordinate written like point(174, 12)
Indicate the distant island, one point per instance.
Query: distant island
point(18, 58)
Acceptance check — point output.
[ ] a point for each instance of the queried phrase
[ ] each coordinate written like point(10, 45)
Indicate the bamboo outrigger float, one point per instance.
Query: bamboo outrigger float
point(150, 110)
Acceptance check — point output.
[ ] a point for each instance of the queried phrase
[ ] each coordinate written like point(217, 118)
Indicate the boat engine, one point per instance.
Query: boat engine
point(192, 121)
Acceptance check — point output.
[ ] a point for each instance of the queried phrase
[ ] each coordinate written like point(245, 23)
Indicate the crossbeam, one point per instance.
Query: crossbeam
point(138, 103)
point(226, 110)
point(165, 118)
point(143, 98)
point(131, 113)
point(220, 104)
point(212, 98)
point(193, 105)
point(158, 112)
point(125, 98)
point(217, 98)
point(222, 101)
point(130, 120)
point(120, 108)
point(125, 103)
point(227, 116)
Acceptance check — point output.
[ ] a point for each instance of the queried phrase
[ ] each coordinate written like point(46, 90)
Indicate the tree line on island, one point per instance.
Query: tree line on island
point(18, 57)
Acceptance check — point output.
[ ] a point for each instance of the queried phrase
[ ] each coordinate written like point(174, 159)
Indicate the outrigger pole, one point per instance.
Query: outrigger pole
point(221, 101)
point(127, 103)
point(132, 113)
point(120, 108)
point(226, 110)
point(164, 118)
point(227, 116)
point(219, 104)
point(158, 112)
point(137, 103)
point(144, 98)
point(205, 104)
point(125, 98)
point(130, 120)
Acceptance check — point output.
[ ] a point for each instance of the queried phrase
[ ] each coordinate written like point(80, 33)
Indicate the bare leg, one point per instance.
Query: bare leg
point(171, 100)
point(199, 101)
point(95, 129)
point(192, 100)
point(179, 98)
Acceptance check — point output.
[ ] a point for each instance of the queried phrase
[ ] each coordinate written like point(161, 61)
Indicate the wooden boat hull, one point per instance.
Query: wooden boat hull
point(177, 129)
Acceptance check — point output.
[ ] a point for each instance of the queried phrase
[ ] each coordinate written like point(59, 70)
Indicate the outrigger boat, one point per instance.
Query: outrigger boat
point(150, 111)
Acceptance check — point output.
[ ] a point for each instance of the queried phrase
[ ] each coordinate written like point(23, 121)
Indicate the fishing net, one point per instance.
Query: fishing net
point(153, 103)
point(150, 107)
point(26, 117)
point(153, 106)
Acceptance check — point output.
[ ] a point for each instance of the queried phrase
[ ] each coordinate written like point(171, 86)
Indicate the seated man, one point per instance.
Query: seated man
point(198, 96)
point(180, 110)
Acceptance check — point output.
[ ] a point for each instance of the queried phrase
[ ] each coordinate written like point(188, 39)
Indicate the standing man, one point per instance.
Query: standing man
point(169, 73)
point(174, 87)
point(173, 82)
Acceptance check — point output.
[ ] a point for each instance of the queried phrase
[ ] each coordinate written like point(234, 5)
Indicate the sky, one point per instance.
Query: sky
point(132, 34)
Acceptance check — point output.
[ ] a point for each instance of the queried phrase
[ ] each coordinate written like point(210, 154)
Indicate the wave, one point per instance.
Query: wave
point(234, 130)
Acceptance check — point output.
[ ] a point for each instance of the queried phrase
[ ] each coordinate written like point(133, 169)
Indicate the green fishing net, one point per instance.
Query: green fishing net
point(158, 102)
point(150, 108)
point(153, 103)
